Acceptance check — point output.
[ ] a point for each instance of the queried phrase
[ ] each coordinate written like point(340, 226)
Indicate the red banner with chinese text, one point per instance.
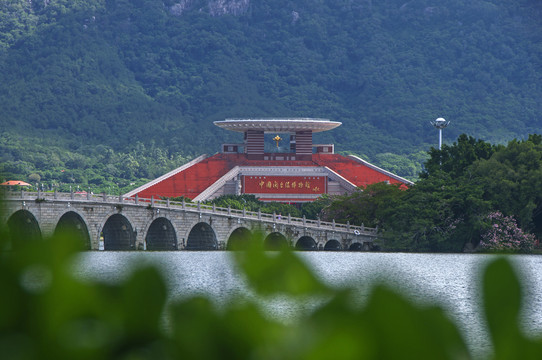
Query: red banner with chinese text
point(284, 184)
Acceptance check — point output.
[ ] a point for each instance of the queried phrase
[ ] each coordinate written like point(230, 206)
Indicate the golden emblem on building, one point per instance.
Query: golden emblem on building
point(277, 139)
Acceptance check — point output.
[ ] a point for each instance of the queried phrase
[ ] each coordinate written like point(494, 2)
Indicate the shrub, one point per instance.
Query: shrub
point(504, 235)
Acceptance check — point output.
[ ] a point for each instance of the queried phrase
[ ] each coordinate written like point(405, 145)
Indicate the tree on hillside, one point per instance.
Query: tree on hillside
point(365, 206)
point(448, 209)
point(455, 159)
point(440, 213)
point(512, 181)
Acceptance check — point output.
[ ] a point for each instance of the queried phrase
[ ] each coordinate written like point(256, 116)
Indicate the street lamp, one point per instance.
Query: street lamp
point(440, 124)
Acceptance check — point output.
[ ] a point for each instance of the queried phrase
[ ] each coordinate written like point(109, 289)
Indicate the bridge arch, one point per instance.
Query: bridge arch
point(137, 219)
point(161, 235)
point(72, 225)
point(201, 237)
point(333, 245)
point(306, 243)
point(23, 228)
point(355, 246)
point(275, 241)
point(118, 233)
point(239, 239)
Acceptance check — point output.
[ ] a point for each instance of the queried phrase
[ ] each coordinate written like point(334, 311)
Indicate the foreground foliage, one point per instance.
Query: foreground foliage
point(46, 312)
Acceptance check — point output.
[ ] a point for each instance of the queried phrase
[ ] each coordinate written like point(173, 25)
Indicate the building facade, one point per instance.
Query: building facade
point(297, 172)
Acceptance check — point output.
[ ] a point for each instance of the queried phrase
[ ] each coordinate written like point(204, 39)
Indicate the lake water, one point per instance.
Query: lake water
point(451, 280)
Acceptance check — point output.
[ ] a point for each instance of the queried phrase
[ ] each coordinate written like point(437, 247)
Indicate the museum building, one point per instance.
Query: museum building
point(296, 172)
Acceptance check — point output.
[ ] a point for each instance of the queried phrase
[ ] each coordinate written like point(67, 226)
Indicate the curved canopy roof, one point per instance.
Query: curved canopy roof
point(278, 125)
point(15, 182)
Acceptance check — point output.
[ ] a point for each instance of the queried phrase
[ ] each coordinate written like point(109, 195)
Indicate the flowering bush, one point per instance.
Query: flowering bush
point(505, 235)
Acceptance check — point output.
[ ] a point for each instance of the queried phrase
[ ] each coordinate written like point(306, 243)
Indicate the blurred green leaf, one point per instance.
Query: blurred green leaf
point(502, 301)
point(144, 293)
point(406, 331)
point(336, 330)
point(200, 331)
point(277, 272)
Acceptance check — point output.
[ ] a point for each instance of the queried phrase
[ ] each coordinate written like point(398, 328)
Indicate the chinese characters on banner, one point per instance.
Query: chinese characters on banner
point(284, 184)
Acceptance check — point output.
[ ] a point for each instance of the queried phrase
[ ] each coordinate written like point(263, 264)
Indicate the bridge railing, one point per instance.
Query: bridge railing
point(253, 215)
point(41, 196)
point(190, 206)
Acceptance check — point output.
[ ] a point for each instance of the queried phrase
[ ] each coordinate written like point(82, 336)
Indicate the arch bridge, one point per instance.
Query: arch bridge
point(102, 222)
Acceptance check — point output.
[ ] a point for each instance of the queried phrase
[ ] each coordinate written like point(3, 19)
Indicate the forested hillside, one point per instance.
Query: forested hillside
point(92, 90)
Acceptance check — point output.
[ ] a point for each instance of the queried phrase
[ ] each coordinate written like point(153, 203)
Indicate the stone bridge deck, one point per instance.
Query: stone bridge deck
point(105, 222)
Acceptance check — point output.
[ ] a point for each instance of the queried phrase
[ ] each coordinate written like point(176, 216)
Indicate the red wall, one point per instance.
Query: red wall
point(194, 180)
point(284, 184)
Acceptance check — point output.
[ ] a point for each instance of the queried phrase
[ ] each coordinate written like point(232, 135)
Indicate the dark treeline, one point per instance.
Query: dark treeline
point(78, 77)
point(471, 192)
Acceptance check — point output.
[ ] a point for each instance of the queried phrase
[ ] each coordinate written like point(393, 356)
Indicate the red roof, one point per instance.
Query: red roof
point(355, 170)
point(193, 180)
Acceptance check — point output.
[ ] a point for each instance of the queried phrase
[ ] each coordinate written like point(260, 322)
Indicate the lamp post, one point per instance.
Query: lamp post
point(440, 124)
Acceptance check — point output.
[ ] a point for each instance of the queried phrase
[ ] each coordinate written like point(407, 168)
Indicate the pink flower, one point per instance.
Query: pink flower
point(504, 234)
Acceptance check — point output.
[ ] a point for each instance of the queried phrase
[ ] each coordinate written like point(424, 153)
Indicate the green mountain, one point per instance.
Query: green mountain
point(109, 92)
